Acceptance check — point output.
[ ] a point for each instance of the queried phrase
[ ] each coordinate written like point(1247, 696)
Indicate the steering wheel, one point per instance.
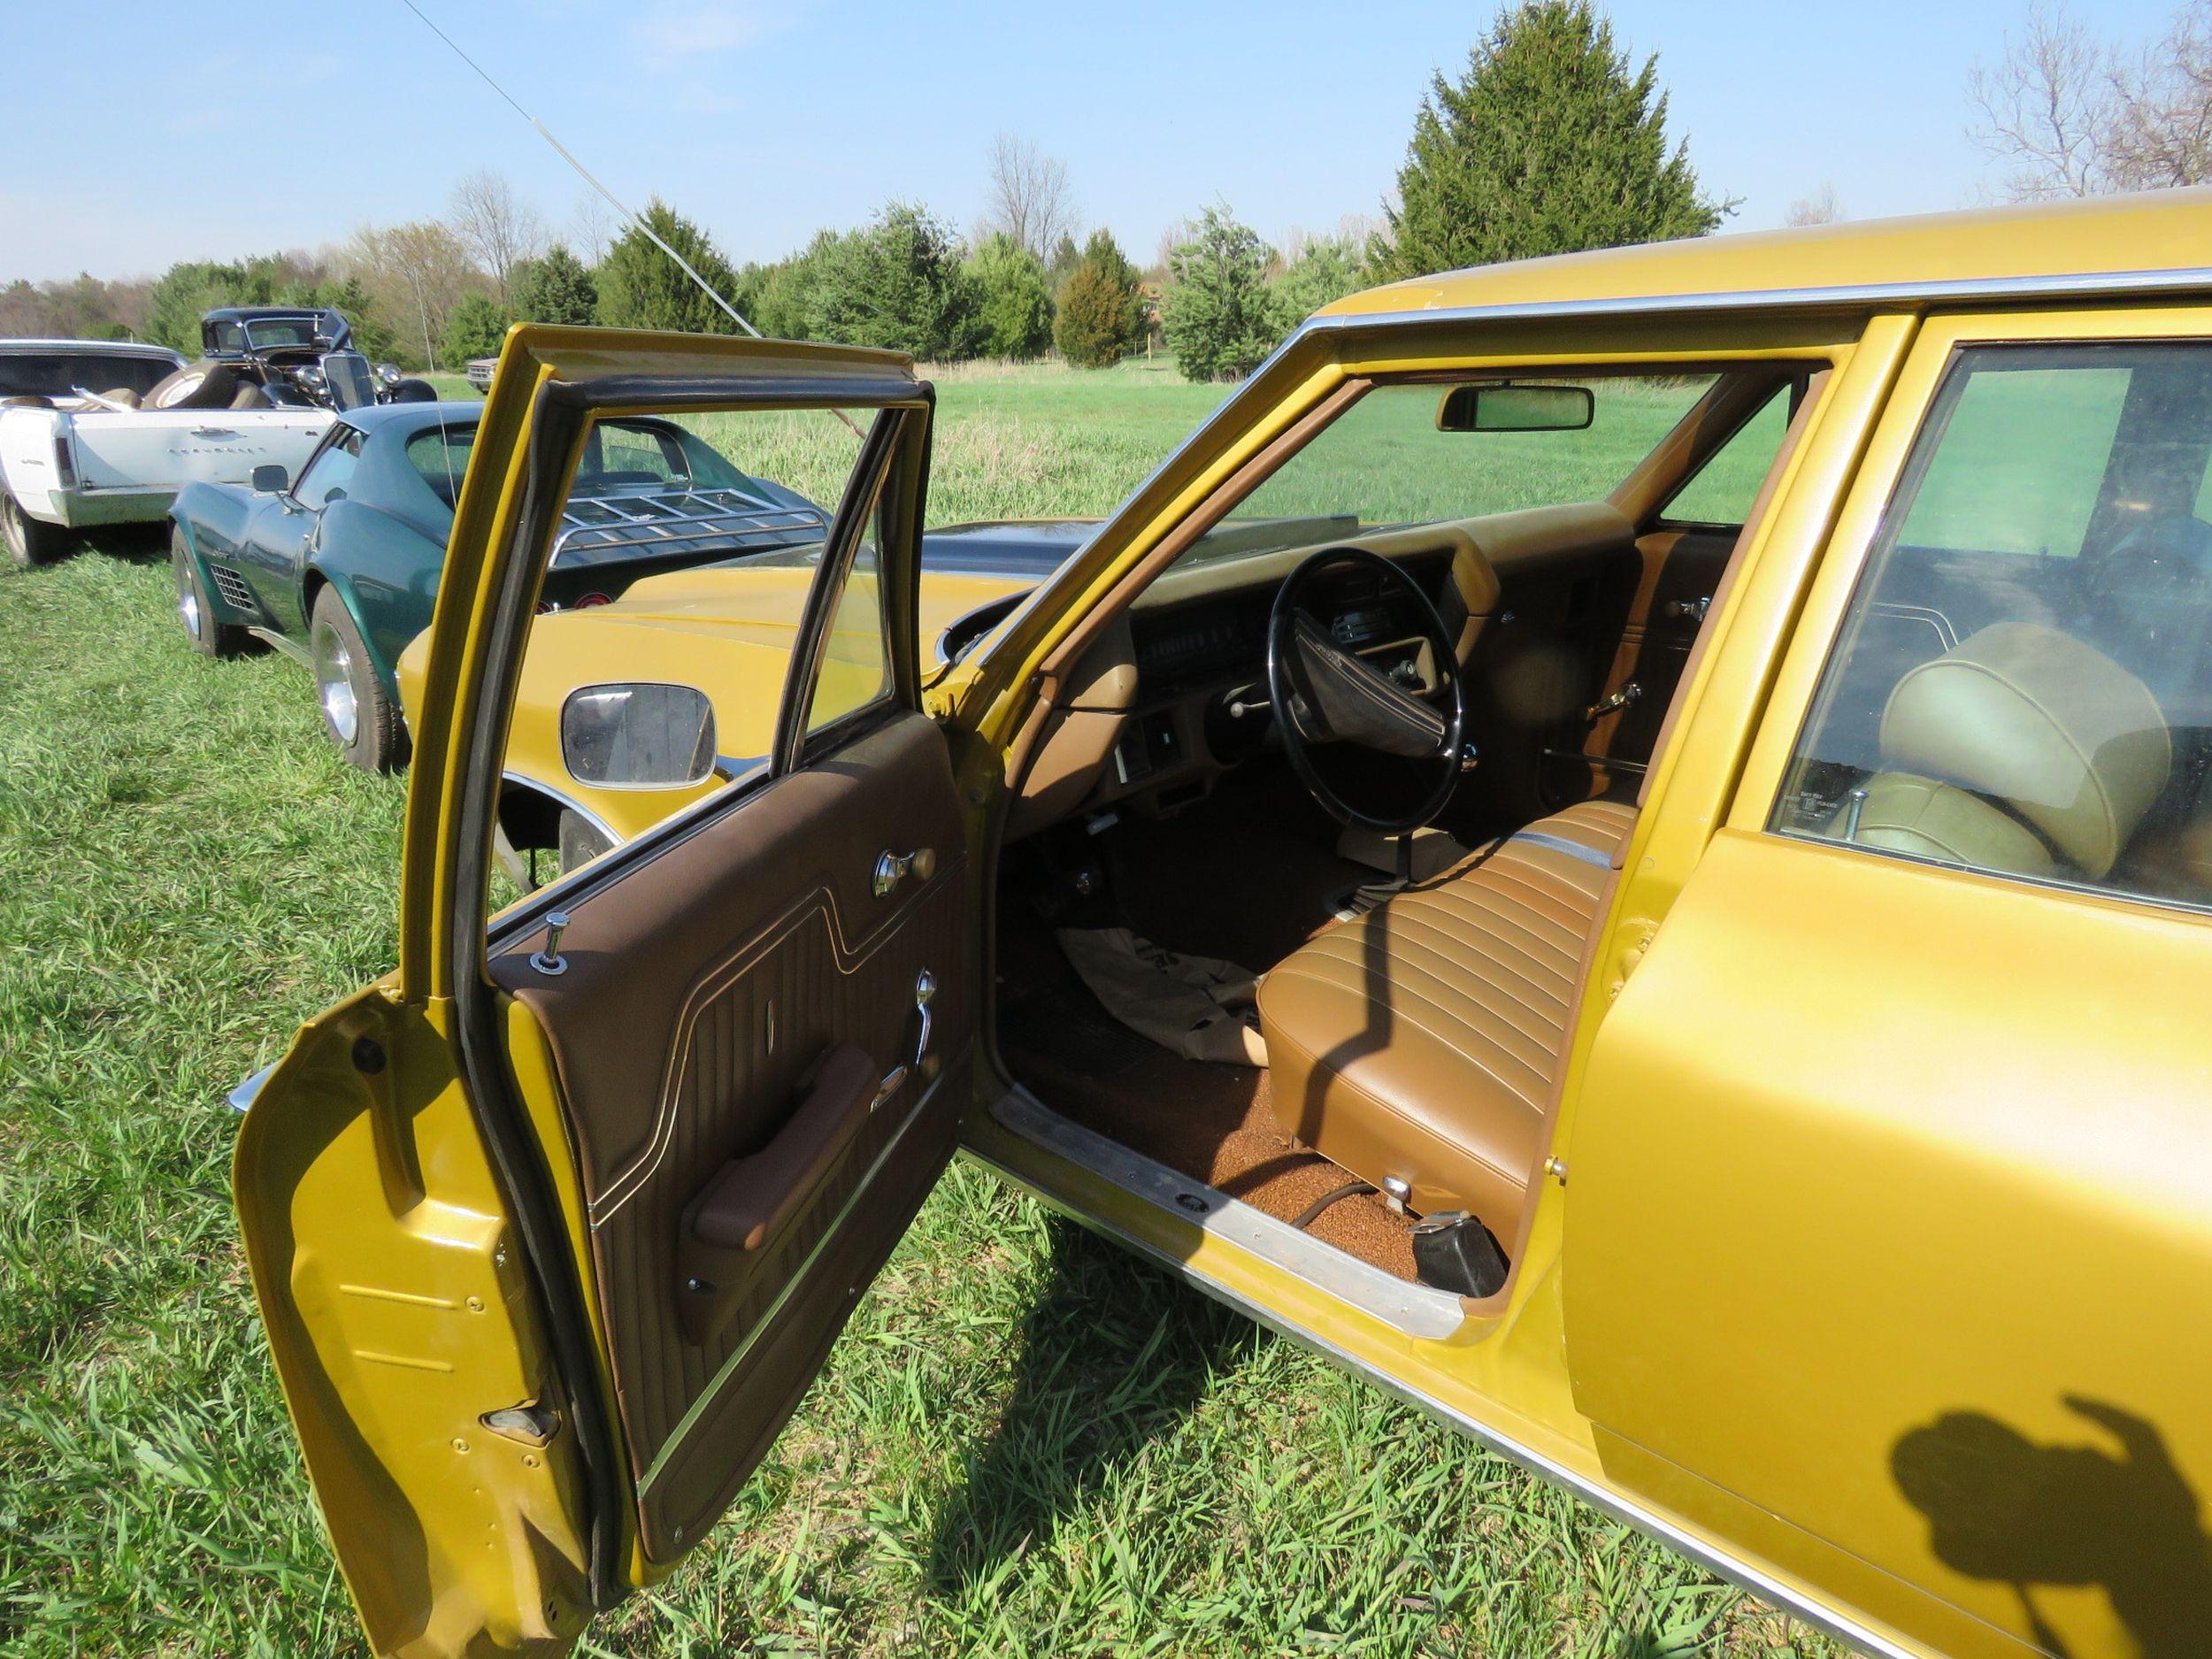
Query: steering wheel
point(1324, 693)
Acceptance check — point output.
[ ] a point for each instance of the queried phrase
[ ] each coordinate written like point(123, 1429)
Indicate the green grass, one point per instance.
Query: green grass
point(1026, 1444)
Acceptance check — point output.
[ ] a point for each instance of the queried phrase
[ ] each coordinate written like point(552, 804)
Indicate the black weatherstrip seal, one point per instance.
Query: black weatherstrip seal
point(564, 411)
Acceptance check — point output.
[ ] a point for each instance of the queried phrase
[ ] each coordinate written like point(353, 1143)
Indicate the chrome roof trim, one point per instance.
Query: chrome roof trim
point(1844, 296)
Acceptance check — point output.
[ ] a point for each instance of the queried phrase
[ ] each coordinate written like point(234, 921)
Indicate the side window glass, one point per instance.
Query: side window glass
point(1722, 491)
point(671, 608)
point(330, 470)
point(2023, 684)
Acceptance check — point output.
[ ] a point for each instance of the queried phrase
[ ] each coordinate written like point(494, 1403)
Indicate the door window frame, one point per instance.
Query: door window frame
point(888, 474)
point(1874, 493)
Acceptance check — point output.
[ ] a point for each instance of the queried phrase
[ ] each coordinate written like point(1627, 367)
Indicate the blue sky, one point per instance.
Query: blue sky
point(154, 131)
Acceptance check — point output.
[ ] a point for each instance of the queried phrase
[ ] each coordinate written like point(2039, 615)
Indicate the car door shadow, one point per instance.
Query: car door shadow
point(2113, 1512)
point(1115, 1354)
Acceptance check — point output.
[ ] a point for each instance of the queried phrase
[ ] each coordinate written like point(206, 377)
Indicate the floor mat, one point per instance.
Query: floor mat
point(1213, 1123)
point(1200, 1007)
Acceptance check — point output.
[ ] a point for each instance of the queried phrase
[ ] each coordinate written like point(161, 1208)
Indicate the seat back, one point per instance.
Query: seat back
point(2022, 750)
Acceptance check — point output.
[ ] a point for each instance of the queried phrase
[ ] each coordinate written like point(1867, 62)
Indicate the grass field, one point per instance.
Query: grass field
point(1027, 1443)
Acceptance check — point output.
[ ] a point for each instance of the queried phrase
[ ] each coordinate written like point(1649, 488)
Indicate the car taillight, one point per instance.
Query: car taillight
point(64, 464)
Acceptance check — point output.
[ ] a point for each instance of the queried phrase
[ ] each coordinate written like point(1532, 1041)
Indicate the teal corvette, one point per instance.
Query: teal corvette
point(340, 566)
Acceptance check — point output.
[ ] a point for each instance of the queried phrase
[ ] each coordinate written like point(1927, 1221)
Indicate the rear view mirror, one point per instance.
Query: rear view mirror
point(269, 478)
point(1515, 409)
point(638, 735)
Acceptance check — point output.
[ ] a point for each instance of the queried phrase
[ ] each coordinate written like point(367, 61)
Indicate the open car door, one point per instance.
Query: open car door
point(551, 1234)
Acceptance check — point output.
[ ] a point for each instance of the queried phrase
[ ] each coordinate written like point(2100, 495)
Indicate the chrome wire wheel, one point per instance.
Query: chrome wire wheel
point(333, 683)
point(189, 601)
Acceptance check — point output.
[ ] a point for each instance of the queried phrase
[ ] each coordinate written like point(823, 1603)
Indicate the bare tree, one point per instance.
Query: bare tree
point(594, 227)
point(416, 273)
point(498, 230)
point(2046, 106)
point(1029, 197)
point(2161, 130)
point(1822, 207)
point(2076, 117)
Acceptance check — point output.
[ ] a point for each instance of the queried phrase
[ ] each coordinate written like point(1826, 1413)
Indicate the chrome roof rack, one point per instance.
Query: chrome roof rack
point(598, 527)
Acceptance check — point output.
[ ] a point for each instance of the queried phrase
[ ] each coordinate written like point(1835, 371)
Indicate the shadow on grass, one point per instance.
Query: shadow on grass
point(1115, 1354)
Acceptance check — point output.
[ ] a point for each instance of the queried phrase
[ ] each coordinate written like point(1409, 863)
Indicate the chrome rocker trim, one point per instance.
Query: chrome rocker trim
point(1411, 1309)
point(1017, 1109)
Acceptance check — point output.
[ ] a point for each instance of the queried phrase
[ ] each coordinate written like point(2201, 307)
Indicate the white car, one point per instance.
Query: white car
point(84, 441)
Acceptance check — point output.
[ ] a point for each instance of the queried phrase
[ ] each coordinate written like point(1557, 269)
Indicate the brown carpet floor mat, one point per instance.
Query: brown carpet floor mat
point(1210, 1122)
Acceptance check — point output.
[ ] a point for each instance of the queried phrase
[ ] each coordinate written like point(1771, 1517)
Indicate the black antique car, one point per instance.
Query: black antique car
point(259, 357)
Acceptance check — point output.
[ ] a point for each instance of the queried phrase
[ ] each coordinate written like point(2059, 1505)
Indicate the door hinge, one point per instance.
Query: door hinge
point(529, 1422)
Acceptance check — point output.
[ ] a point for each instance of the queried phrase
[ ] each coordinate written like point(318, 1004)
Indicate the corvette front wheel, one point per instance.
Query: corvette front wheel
point(359, 714)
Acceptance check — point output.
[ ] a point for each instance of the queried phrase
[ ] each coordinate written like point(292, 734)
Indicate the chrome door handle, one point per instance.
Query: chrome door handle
point(924, 992)
point(1694, 608)
point(214, 432)
point(893, 868)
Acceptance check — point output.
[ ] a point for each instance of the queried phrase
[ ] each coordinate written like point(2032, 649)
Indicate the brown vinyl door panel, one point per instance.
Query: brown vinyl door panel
point(1678, 571)
point(705, 989)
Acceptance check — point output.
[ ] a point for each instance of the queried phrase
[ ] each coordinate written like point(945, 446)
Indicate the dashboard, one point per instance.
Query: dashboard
point(1199, 701)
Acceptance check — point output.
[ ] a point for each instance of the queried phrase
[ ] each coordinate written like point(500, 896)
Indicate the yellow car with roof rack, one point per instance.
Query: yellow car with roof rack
point(1767, 1091)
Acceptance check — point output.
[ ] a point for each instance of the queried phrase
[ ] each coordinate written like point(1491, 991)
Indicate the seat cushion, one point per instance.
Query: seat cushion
point(1421, 1040)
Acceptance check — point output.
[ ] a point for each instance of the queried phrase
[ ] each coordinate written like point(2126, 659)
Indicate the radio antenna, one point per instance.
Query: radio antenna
point(560, 149)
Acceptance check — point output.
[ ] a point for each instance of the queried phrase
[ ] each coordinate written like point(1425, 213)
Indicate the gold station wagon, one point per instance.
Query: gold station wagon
point(1704, 749)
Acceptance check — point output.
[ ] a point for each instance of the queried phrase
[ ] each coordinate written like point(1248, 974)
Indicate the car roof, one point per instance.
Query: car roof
point(254, 313)
point(2158, 241)
point(120, 348)
point(416, 417)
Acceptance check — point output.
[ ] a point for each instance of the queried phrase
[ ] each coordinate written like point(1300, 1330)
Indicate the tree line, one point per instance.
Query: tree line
point(1551, 139)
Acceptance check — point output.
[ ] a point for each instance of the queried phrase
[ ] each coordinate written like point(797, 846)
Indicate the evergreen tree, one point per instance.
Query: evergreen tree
point(1221, 317)
point(1061, 264)
point(1013, 304)
point(781, 295)
point(1091, 327)
point(640, 286)
point(1105, 253)
point(477, 328)
point(1326, 268)
point(1547, 144)
point(900, 284)
point(555, 288)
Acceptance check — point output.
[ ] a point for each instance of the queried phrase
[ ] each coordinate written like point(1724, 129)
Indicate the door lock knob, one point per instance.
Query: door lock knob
point(548, 960)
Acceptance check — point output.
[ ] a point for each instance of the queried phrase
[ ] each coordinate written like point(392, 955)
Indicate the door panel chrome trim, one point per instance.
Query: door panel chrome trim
point(1411, 1309)
point(1621, 1508)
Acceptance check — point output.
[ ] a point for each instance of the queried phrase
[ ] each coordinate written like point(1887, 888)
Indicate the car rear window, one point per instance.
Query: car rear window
point(441, 455)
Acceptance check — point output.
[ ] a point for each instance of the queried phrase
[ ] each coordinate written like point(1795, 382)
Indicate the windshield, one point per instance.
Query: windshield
point(59, 374)
point(261, 334)
point(1386, 462)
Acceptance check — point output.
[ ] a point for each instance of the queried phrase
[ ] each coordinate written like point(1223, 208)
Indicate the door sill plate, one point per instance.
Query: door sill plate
point(1408, 1309)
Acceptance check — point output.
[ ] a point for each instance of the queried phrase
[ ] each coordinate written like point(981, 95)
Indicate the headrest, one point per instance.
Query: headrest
point(2059, 733)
